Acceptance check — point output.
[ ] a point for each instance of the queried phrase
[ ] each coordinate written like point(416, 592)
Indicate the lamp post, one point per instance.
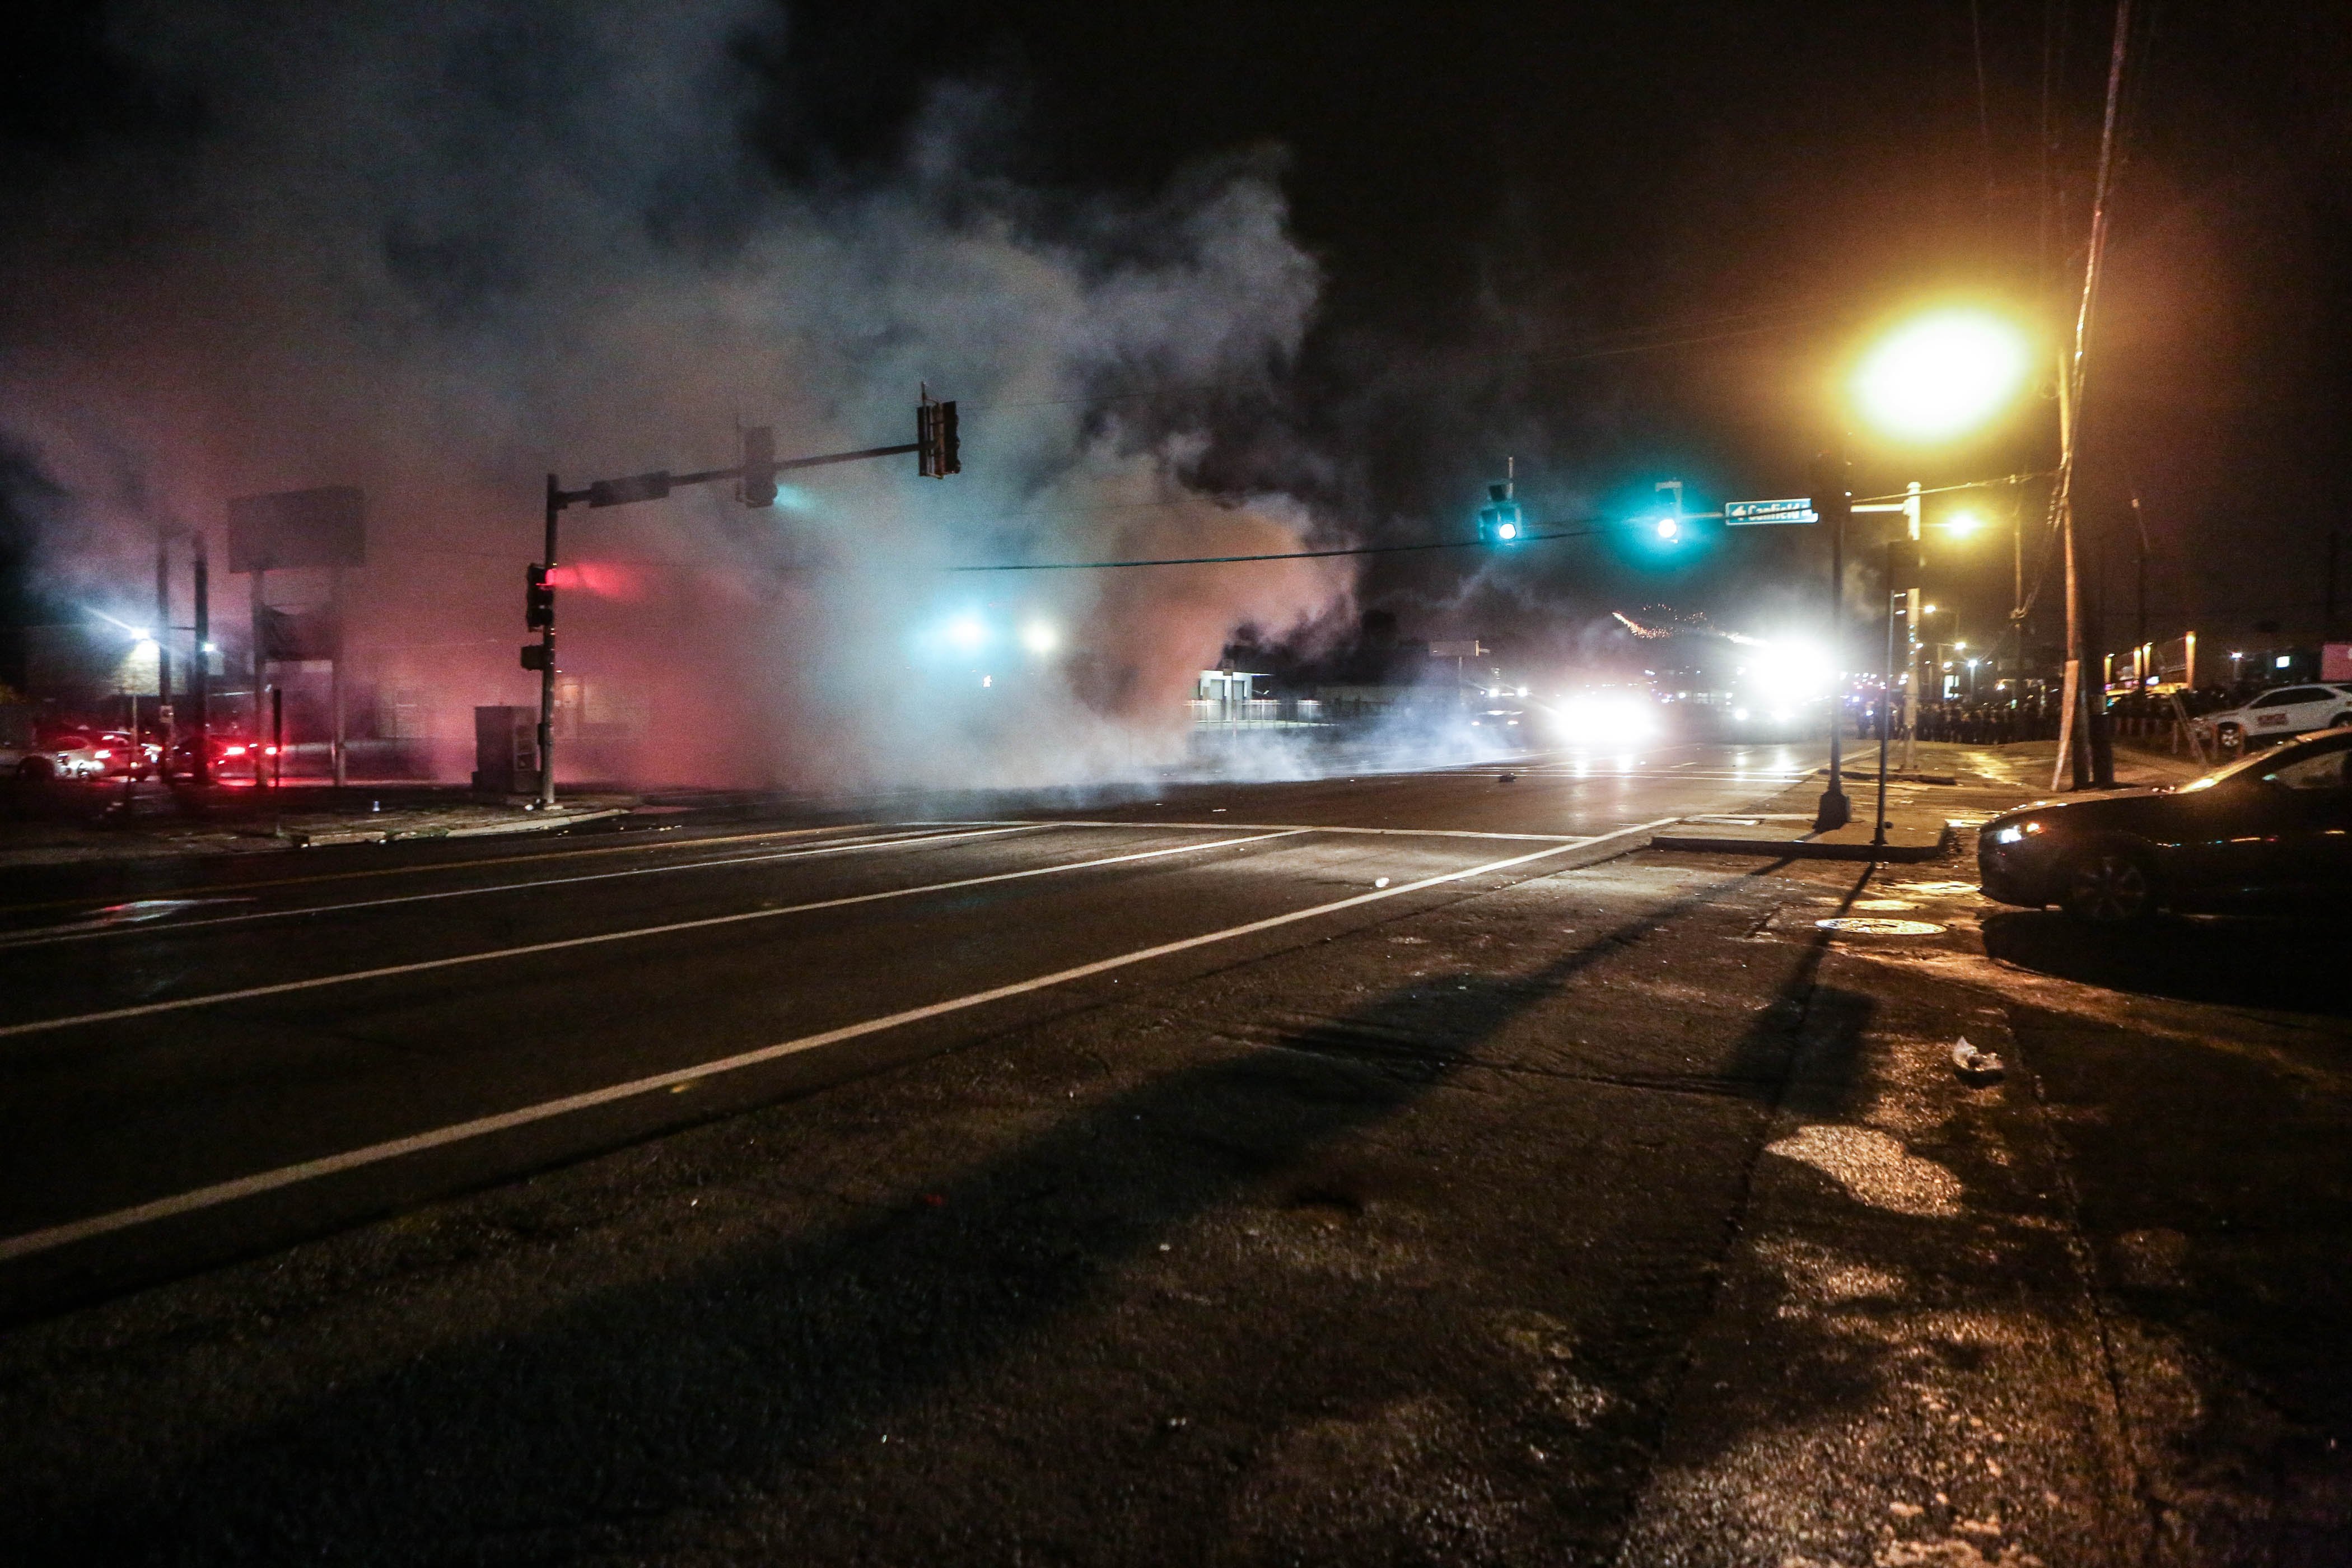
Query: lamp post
point(1931, 381)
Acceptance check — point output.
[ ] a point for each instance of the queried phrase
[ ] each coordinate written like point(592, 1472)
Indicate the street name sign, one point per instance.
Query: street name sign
point(1747, 513)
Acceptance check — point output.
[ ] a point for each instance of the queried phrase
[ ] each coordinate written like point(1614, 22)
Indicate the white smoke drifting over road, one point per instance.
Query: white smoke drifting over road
point(437, 251)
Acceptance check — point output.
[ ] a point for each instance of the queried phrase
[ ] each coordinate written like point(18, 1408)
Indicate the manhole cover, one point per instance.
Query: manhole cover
point(1868, 925)
point(1883, 904)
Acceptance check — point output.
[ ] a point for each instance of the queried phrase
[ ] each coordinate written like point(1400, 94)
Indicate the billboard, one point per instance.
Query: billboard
point(293, 529)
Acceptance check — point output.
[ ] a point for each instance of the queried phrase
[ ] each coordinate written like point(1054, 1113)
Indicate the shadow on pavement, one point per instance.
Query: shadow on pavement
point(2292, 965)
point(775, 1366)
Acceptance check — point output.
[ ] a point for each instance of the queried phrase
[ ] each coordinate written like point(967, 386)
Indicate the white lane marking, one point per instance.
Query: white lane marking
point(54, 1236)
point(644, 841)
point(1325, 827)
point(87, 930)
point(146, 1009)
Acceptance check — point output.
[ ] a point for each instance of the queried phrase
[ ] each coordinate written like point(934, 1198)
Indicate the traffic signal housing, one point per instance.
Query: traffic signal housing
point(538, 599)
point(760, 466)
point(938, 450)
point(1501, 523)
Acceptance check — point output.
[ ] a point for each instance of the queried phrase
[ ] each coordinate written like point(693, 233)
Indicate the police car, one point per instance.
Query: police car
point(2278, 713)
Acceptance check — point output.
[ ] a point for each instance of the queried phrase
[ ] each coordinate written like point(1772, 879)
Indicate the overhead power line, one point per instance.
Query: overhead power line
point(1567, 533)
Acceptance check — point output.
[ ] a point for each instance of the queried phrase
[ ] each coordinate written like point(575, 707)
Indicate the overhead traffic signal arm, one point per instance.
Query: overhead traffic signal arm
point(936, 445)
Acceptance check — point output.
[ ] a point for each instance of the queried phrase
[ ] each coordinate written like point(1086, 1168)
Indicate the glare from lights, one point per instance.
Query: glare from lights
point(969, 634)
point(1039, 637)
point(1604, 717)
point(1941, 374)
point(1669, 529)
point(212, 647)
point(1506, 531)
point(1963, 524)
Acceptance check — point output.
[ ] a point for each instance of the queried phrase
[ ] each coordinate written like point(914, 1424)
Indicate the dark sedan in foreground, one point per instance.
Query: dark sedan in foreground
point(2272, 829)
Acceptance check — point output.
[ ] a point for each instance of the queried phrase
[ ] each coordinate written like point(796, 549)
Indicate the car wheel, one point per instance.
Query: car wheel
point(2230, 738)
point(2109, 885)
point(2341, 721)
point(35, 769)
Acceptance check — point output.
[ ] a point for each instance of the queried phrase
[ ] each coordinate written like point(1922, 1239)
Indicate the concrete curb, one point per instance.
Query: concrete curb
point(331, 836)
point(1870, 775)
point(1807, 848)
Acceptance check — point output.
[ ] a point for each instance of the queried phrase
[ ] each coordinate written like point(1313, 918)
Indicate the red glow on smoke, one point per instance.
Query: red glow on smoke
point(602, 579)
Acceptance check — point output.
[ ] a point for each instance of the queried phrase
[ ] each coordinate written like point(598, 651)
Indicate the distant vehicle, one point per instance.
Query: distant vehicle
point(232, 756)
point(67, 751)
point(17, 736)
point(124, 754)
point(2285, 710)
point(2271, 828)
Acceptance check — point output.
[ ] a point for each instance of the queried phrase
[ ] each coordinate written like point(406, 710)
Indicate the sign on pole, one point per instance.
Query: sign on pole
point(1469, 649)
point(1748, 513)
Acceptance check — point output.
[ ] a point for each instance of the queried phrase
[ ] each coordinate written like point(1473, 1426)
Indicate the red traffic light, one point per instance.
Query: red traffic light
point(538, 599)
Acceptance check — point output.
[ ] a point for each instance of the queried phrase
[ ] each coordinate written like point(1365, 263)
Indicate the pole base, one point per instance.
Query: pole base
point(1834, 812)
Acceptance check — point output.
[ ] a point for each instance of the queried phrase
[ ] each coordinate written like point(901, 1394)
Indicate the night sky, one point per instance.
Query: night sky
point(1619, 243)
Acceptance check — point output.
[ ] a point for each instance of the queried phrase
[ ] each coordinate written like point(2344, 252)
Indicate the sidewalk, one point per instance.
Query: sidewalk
point(2087, 1312)
point(66, 824)
point(1952, 786)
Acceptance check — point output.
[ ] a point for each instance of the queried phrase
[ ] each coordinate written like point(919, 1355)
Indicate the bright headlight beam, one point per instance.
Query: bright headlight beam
point(1039, 637)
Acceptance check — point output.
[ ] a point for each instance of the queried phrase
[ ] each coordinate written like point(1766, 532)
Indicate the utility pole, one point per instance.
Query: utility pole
point(200, 677)
point(2016, 605)
point(2074, 736)
point(2327, 604)
point(2139, 526)
point(1911, 630)
point(163, 715)
point(260, 664)
point(556, 501)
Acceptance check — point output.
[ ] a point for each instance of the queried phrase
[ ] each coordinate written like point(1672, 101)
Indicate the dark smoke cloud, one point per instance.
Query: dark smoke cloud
point(437, 251)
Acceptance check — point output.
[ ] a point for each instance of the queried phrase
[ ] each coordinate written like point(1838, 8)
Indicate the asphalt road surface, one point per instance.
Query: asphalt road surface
point(211, 1067)
point(1377, 1169)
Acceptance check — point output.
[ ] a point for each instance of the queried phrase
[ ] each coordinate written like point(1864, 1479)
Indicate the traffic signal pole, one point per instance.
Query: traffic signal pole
point(1833, 503)
point(939, 453)
point(556, 501)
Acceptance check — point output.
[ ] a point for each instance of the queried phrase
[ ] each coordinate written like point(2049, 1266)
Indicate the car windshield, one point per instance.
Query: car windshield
point(2247, 763)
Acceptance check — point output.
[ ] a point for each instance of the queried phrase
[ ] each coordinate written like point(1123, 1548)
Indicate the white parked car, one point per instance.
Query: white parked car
point(2278, 713)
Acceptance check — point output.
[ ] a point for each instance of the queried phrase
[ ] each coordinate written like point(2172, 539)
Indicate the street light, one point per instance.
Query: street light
point(1933, 379)
point(1941, 375)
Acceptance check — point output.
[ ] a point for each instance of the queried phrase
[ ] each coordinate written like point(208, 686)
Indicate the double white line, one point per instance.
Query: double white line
point(55, 1237)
